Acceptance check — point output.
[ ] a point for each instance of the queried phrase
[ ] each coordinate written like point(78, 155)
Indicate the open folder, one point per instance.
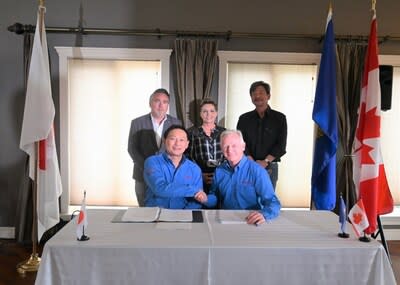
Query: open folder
point(156, 214)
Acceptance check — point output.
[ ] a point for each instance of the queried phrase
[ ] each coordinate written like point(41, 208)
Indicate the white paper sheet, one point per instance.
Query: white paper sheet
point(141, 214)
point(156, 214)
point(168, 215)
point(232, 217)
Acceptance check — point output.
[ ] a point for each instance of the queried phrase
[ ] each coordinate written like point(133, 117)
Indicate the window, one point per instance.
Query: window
point(390, 135)
point(293, 78)
point(101, 91)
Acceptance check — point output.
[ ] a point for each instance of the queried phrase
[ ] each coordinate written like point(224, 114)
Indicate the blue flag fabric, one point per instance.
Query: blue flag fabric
point(342, 215)
point(323, 181)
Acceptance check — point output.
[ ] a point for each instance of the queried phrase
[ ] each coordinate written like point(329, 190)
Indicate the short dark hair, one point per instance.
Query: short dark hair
point(208, 101)
point(159, 90)
point(174, 127)
point(260, 83)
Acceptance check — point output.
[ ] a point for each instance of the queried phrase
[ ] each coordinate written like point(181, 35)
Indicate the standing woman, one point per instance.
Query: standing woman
point(204, 147)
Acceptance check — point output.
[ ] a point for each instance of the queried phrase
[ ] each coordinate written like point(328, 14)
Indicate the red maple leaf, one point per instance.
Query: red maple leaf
point(369, 124)
point(368, 127)
point(357, 218)
point(365, 157)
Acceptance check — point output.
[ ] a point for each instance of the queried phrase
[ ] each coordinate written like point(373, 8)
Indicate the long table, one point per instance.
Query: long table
point(299, 247)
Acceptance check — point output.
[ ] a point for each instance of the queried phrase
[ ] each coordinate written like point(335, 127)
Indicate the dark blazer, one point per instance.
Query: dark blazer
point(142, 141)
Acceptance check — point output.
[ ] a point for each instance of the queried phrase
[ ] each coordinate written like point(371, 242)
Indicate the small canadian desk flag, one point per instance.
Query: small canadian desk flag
point(358, 218)
point(81, 222)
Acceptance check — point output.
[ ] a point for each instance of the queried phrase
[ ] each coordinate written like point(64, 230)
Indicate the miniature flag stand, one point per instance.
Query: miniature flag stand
point(81, 221)
point(359, 220)
point(364, 238)
point(342, 219)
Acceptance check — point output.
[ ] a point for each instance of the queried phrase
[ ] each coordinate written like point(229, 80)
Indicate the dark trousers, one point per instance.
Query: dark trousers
point(272, 170)
point(140, 190)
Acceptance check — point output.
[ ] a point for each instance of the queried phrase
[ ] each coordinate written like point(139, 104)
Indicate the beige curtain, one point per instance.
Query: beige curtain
point(196, 63)
point(350, 63)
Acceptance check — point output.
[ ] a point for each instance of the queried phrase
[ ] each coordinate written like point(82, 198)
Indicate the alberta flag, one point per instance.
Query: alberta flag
point(323, 180)
point(37, 136)
point(368, 168)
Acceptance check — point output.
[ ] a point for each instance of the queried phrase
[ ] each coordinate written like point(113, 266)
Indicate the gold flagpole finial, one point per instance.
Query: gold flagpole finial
point(373, 5)
point(41, 2)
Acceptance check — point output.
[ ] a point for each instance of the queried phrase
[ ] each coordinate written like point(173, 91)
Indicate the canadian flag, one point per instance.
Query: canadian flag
point(358, 218)
point(82, 222)
point(368, 168)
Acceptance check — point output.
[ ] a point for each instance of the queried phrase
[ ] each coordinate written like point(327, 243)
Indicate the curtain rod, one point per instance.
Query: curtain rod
point(19, 28)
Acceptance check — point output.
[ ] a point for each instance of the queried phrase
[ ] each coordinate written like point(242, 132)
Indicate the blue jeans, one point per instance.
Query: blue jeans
point(272, 170)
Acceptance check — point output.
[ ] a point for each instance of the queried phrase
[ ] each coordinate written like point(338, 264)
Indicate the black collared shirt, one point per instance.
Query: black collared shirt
point(264, 136)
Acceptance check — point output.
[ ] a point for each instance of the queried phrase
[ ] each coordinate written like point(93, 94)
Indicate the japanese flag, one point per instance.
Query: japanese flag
point(81, 221)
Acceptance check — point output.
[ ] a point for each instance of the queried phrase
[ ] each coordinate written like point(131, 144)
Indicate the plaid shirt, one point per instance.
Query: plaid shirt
point(205, 150)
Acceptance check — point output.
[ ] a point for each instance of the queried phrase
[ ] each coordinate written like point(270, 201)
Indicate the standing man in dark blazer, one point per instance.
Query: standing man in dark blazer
point(264, 131)
point(145, 137)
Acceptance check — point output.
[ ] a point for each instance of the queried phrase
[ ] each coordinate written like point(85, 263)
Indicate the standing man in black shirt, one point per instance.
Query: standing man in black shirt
point(264, 130)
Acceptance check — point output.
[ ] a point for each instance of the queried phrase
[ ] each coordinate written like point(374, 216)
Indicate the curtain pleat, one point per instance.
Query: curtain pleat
point(196, 63)
point(350, 63)
point(23, 222)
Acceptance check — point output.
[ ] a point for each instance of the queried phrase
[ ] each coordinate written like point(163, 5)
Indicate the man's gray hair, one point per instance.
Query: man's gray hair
point(159, 90)
point(232, 132)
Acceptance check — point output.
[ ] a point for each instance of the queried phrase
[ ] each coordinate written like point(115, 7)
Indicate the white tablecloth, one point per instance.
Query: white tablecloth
point(299, 247)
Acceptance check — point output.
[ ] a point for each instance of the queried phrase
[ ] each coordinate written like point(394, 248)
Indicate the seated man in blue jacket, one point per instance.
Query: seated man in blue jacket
point(240, 183)
point(172, 180)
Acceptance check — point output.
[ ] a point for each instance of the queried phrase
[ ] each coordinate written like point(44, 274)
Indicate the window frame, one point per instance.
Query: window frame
point(67, 53)
point(226, 57)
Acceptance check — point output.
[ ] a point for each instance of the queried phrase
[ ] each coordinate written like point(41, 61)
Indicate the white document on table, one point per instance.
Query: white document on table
point(156, 214)
point(232, 216)
point(169, 215)
point(141, 214)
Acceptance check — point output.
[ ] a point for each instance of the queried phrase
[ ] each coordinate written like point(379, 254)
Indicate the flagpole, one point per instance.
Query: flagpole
point(32, 264)
point(365, 238)
point(380, 227)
